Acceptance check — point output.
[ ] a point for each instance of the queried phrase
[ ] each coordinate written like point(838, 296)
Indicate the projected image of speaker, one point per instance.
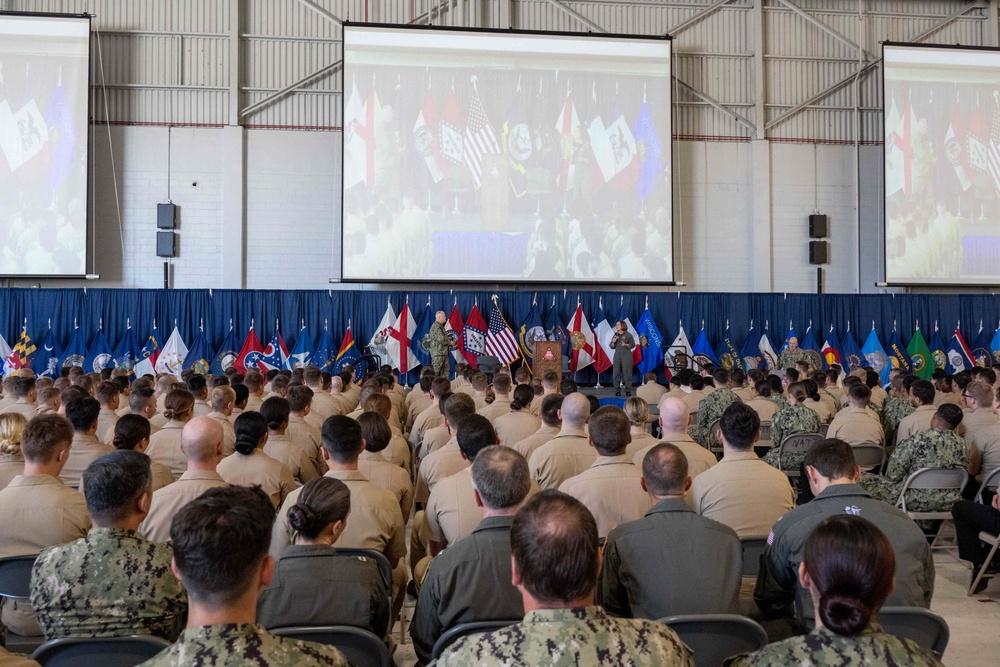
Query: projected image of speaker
point(819, 252)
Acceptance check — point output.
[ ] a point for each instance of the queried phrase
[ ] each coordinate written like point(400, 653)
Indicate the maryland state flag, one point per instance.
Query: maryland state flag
point(20, 356)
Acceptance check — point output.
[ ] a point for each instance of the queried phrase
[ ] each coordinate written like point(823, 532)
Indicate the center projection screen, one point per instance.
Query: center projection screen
point(506, 157)
point(942, 165)
point(44, 109)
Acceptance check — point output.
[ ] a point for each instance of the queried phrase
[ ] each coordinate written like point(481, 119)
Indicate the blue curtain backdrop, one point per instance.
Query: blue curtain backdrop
point(364, 309)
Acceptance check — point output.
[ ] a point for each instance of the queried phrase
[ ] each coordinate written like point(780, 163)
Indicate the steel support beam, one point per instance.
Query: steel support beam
point(322, 12)
point(825, 28)
point(703, 14)
point(715, 105)
point(992, 31)
point(271, 99)
point(576, 15)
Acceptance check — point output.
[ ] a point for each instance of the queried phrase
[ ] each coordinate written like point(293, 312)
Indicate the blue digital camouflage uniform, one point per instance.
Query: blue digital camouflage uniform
point(793, 419)
point(111, 583)
point(570, 638)
point(823, 648)
point(709, 412)
point(244, 645)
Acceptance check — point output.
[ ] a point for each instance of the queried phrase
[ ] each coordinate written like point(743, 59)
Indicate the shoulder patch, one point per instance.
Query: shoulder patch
point(853, 510)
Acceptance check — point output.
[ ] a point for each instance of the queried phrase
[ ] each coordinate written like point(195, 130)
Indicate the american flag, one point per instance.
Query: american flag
point(500, 340)
point(479, 141)
point(994, 149)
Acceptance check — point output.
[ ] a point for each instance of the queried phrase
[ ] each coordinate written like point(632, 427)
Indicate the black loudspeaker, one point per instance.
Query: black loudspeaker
point(166, 216)
point(819, 252)
point(166, 244)
point(819, 226)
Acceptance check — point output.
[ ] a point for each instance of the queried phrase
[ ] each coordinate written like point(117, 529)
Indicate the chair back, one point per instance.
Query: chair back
point(824, 429)
point(488, 364)
point(753, 548)
point(384, 568)
point(765, 434)
point(103, 651)
point(362, 648)
point(15, 576)
point(715, 444)
point(990, 481)
point(917, 624)
point(939, 479)
point(714, 637)
point(455, 633)
point(869, 456)
point(797, 443)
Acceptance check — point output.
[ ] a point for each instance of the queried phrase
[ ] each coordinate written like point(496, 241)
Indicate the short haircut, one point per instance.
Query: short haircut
point(375, 430)
point(219, 381)
point(859, 393)
point(47, 394)
point(740, 425)
point(197, 384)
point(522, 375)
point(609, 430)
point(458, 406)
point(551, 405)
point(220, 540)
point(440, 386)
point(426, 380)
point(112, 483)
point(106, 392)
point(83, 413)
point(550, 380)
point(501, 476)
point(475, 433)
point(479, 381)
point(982, 392)
point(24, 387)
point(138, 399)
point(299, 397)
point(342, 438)
point(697, 383)
point(950, 414)
point(242, 393)
point(923, 391)
point(832, 458)
point(567, 387)
point(280, 382)
point(44, 437)
point(649, 377)
point(721, 376)
point(254, 381)
point(501, 383)
point(554, 543)
point(275, 411)
point(312, 376)
point(222, 396)
point(665, 470)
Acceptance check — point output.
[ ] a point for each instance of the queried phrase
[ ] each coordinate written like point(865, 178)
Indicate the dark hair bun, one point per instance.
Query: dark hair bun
point(303, 519)
point(245, 445)
point(120, 442)
point(273, 426)
point(844, 615)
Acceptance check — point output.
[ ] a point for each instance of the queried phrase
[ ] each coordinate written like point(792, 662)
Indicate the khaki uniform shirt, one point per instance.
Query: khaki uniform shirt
point(309, 438)
point(857, 425)
point(202, 408)
point(947, 397)
point(514, 426)
point(259, 468)
point(228, 433)
point(743, 393)
point(443, 463)
point(398, 452)
point(162, 475)
point(324, 405)
point(84, 450)
point(915, 423)
point(976, 420)
point(376, 521)
point(699, 459)
point(254, 403)
point(879, 395)
point(651, 392)
point(427, 419)
point(413, 408)
point(649, 573)
point(822, 410)
point(383, 474)
point(11, 465)
point(641, 441)
point(612, 490)
point(434, 439)
point(543, 435)
point(25, 408)
point(500, 406)
point(694, 399)
point(566, 455)
point(744, 493)
point(169, 500)
point(282, 449)
point(165, 447)
point(452, 513)
point(479, 398)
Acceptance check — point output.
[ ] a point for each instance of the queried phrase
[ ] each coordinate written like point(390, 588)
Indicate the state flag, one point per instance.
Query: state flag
point(426, 139)
point(225, 358)
point(650, 343)
point(46, 361)
point(73, 355)
point(678, 356)
point(995, 347)
point(355, 147)
point(603, 333)
point(981, 354)
point(250, 354)
point(569, 131)
point(769, 359)
point(896, 357)
point(750, 356)
point(398, 343)
point(518, 143)
point(302, 352)
point(171, 359)
point(5, 352)
point(150, 352)
point(347, 354)
point(99, 356)
point(702, 352)
point(419, 343)
point(377, 344)
point(275, 355)
point(726, 352)
point(530, 332)
point(852, 355)
point(474, 337)
point(649, 149)
point(555, 330)
point(811, 346)
point(450, 131)
point(938, 352)
point(324, 356)
point(20, 356)
point(831, 351)
point(958, 354)
point(874, 353)
point(921, 360)
point(128, 352)
point(454, 327)
point(199, 357)
point(581, 341)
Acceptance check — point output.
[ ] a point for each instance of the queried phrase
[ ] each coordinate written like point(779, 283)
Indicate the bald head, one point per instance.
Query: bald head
point(674, 415)
point(575, 411)
point(336, 384)
point(201, 440)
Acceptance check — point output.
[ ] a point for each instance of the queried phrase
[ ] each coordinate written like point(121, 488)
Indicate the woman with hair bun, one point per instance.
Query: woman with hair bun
point(637, 411)
point(276, 411)
point(815, 402)
point(761, 401)
point(848, 567)
point(796, 418)
point(250, 465)
point(132, 432)
point(165, 444)
point(313, 585)
point(11, 460)
point(514, 426)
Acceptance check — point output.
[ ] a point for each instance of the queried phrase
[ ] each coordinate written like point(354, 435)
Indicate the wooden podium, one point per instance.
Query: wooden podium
point(548, 357)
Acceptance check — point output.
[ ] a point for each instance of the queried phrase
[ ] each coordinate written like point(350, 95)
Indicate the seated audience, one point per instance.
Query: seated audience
point(796, 417)
point(279, 446)
point(569, 452)
point(27, 396)
point(378, 469)
point(711, 408)
point(637, 411)
point(922, 395)
point(223, 404)
point(501, 404)
point(970, 519)
point(857, 424)
point(674, 421)
point(111, 583)
point(132, 432)
point(11, 459)
point(165, 444)
point(108, 397)
point(517, 423)
point(142, 402)
point(650, 391)
point(82, 413)
point(551, 404)
point(300, 431)
point(448, 460)
point(250, 465)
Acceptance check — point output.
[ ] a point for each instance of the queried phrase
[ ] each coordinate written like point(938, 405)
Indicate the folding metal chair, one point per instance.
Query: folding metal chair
point(362, 648)
point(869, 456)
point(917, 624)
point(714, 637)
point(989, 481)
point(797, 443)
point(753, 548)
point(455, 633)
point(103, 651)
point(942, 479)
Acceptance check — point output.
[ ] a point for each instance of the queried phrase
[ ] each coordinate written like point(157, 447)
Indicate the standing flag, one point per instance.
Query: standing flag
point(46, 361)
point(994, 347)
point(651, 341)
point(581, 341)
point(303, 350)
point(831, 351)
point(275, 354)
point(20, 356)
point(791, 334)
point(769, 360)
point(479, 139)
point(453, 328)
point(811, 347)
point(873, 351)
point(568, 129)
point(419, 343)
point(500, 340)
point(127, 353)
point(980, 349)
point(378, 341)
point(99, 355)
point(251, 353)
point(426, 139)
point(954, 149)
point(750, 355)
point(474, 337)
point(852, 355)
point(518, 142)
point(896, 356)
point(679, 354)
point(347, 354)
point(171, 359)
point(323, 356)
point(150, 353)
point(702, 351)
point(994, 145)
point(648, 148)
point(623, 317)
point(958, 354)
point(921, 360)
point(398, 343)
point(5, 351)
point(199, 357)
point(726, 353)
point(530, 332)
point(937, 351)
point(603, 333)
point(555, 330)
point(226, 357)
point(450, 130)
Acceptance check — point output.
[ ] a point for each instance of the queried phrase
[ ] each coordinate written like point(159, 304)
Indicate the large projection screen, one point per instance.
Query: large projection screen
point(506, 157)
point(942, 165)
point(44, 83)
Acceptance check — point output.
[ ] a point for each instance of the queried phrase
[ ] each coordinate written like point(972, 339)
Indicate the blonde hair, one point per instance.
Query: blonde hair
point(637, 411)
point(179, 405)
point(11, 429)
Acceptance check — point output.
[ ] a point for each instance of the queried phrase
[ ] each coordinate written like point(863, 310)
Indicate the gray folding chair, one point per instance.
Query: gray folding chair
point(765, 435)
point(103, 651)
point(362, 648)
point(869, 456)
point(824, 429)
point(917, 624)
point(940, 479)
point(753, 548)
point(797, 443)
point(385, 569)
point(455, 633)
point(714, 637)
point(989, 481)
point(15, 583)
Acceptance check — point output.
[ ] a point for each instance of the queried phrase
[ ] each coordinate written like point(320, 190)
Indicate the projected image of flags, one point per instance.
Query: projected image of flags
point(993, 149)
point(500, 340)
point(479, 140)
point(568, 126)
point(648, 148)
point(425, 138)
